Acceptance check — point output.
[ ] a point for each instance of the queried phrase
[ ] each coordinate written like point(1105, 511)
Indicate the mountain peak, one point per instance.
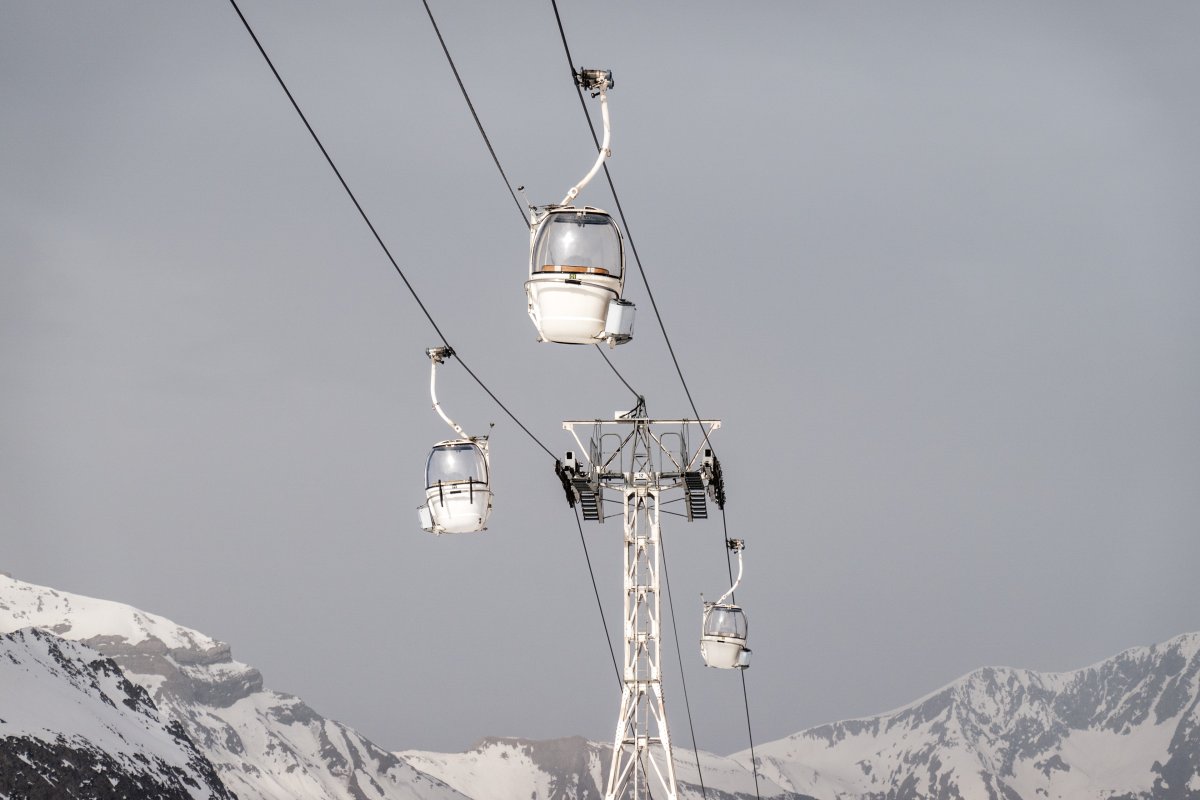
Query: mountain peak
point(1127, 726)
point(82, 618)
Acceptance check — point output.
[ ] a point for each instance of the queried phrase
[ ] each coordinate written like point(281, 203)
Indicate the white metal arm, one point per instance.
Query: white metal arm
point(435, 359)
point(733, 588)
point(603, 154)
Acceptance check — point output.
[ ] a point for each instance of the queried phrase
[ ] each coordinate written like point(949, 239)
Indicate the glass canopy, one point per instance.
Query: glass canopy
point(726, 621)
point(458, 462)
point(579, 242)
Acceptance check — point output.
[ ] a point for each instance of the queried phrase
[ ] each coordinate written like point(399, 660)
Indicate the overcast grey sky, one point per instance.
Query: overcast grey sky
point(935, 265)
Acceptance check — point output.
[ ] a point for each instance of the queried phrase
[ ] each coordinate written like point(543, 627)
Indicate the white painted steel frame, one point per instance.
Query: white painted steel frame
point(707, 427)
point(640, 751)
point(634, 745)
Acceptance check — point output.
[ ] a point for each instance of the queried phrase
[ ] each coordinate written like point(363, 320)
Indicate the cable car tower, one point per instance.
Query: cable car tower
point(641, 459)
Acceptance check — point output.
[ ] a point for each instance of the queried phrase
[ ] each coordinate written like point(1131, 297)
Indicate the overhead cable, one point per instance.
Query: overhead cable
point(662, 544)
point(607, 635)
point(470, 105)
point(375, 233)
point(616, 372)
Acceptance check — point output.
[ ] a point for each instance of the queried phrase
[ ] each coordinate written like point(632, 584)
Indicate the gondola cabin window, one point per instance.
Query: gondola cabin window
point(578, 243)
point(456, 463)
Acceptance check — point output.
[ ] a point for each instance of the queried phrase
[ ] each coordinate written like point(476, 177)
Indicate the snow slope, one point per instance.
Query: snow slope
point(1127, 727)
point(265, 745)
point(72, 616)
point(72, 725)
point(575, 769)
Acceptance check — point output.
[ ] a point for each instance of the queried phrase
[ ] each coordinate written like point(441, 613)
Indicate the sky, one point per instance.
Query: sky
point(935, 266)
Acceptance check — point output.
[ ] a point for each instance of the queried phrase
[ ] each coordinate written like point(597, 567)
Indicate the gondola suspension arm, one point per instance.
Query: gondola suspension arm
point(436, 356)
point(736, 545)
point(598, 81)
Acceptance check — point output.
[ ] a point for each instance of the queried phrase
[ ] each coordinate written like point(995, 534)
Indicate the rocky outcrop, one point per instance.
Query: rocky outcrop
point(207, 675)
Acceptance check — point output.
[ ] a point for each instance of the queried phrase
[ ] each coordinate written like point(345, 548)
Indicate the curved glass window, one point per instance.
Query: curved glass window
point(579, 243)
point(724, 621)
point(456, 463)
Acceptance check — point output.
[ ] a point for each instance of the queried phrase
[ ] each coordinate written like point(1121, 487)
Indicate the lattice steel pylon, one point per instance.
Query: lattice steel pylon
point(642, 459)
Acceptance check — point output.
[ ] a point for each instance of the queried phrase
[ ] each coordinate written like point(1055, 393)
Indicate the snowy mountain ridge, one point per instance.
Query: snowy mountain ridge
point(264, 745)
point(573, 768)
point(72, 726)
point(73, 616)
point(1126, 727)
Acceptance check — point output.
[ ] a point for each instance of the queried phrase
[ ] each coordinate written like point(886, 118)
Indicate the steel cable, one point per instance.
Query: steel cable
point(362, 213)
point(662, 545)
point(470, 105)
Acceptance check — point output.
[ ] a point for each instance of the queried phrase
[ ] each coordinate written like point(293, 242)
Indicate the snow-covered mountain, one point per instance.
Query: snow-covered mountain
point(575, 769)
point(1127, 727)
point(264, 745)
point(72, 726)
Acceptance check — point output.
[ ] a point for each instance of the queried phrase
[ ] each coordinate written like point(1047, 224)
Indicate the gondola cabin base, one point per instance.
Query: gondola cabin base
point(456, 509)
point(724, 654)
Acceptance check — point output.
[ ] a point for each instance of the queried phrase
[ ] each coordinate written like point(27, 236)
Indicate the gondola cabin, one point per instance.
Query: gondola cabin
point(576, 276)
point(458, 497)
point(723, 637)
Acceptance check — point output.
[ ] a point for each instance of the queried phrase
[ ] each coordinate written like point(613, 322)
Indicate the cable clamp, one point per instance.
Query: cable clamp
point(439, 354)
point(594, 80)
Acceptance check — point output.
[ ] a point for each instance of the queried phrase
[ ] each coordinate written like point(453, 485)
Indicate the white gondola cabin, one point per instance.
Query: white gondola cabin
point(577, 259)
point(723, 627)
point(458, 497)
point(458, 493)
point(576, 277)
point(723, 637)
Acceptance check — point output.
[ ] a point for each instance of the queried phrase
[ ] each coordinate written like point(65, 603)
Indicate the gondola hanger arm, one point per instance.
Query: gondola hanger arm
point(736, 545)
point(599, 81)
point(436, 356)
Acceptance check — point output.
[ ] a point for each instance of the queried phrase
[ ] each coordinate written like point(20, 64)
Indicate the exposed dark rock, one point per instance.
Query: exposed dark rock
point(66, 764)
